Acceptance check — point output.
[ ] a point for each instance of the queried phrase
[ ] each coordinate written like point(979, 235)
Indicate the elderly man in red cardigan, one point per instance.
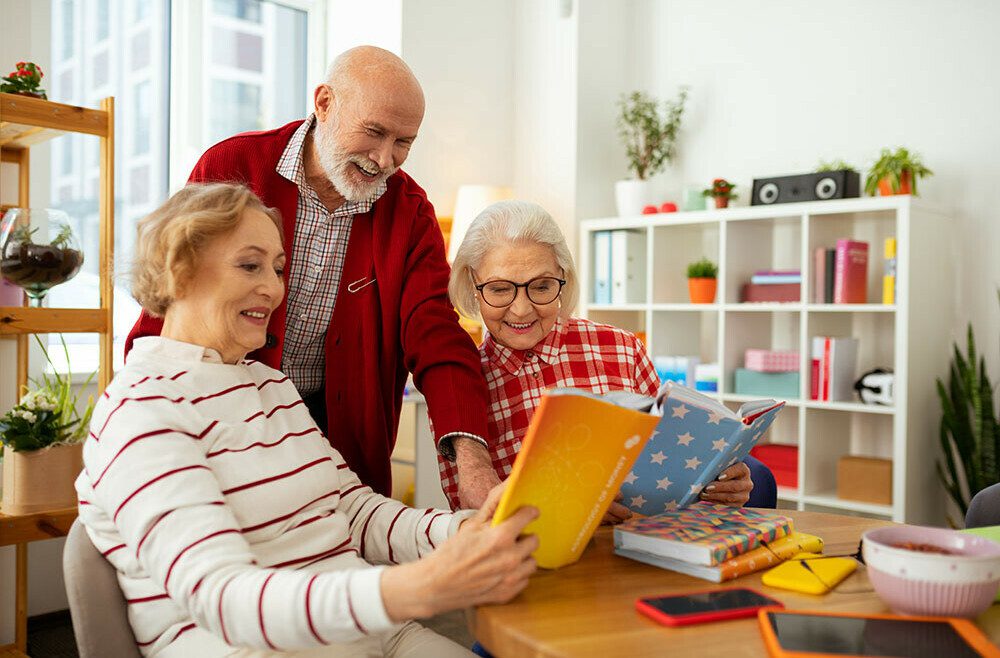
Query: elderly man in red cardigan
point(367, 276)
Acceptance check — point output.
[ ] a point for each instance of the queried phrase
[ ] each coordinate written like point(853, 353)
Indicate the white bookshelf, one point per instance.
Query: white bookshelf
point(912, 336)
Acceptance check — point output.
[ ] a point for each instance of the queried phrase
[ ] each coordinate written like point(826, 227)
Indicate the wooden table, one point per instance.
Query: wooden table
point(20, 530)
point(587, 608)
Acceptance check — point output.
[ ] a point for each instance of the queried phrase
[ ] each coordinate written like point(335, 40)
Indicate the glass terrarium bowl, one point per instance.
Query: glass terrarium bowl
point(38, 250)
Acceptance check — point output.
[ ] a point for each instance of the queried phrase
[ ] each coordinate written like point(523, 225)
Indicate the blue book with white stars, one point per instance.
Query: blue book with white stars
point(696, 439)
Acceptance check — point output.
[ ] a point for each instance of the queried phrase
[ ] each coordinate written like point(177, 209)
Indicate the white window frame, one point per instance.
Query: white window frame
point(189, 37)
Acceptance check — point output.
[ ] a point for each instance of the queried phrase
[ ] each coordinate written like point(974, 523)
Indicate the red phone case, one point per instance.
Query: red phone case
point(702, 617)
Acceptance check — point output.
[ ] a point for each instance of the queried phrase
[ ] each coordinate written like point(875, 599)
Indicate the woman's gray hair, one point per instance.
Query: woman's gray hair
point(509, 222)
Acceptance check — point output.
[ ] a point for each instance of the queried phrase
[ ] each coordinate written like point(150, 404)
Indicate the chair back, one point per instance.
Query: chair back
point(984, 508)
point(96, 603)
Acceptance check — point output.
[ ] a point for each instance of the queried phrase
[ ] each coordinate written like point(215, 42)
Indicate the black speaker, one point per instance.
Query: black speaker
point(821, 185)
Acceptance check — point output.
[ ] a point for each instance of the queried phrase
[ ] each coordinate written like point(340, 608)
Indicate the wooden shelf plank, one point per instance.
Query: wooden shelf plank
point(24, 528)
point(24, 320)
point(25, 120)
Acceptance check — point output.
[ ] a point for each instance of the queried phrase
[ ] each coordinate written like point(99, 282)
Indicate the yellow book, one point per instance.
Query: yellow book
point(810, 573)
point(572, 461)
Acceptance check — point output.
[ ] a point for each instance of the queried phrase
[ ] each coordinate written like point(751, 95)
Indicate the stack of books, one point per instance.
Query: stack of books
point(833, 368)
point(841, 273)
point(712, 542)
point(773, 286)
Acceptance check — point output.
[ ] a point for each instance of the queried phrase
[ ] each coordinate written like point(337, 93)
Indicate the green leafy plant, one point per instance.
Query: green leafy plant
point(969, 431)
point(24, 80)
point(834, 165)
point(702, 269)
point(47, 412)
point(721, 189)
point(892, 165)
point(649, 135)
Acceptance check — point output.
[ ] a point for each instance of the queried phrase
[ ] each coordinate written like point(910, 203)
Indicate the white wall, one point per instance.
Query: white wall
point(461, 51)
point(545, 91)
point(779, 85)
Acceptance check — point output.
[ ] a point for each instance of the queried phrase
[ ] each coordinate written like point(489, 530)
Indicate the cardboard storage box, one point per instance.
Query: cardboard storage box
point(865, 479)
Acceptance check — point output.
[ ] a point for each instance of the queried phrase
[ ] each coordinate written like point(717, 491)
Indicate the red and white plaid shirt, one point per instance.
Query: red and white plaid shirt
point(576, 353)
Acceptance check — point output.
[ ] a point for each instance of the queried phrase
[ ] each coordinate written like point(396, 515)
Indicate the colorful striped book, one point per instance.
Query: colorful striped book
point(701, 533)
point(759, 558)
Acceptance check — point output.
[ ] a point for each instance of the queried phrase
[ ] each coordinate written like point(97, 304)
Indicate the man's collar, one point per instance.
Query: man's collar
point(511, 360)
point(291, 166)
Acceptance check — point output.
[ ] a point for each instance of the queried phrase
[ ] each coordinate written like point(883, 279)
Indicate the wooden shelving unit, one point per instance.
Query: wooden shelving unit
point(911, 336)
point(24, 122)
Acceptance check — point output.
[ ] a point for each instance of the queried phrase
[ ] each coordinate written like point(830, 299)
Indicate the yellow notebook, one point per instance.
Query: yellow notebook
point(572, 461)
point(822, 574)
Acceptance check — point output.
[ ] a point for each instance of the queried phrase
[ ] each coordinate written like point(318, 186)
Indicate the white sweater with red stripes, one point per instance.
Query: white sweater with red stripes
point(230, 519)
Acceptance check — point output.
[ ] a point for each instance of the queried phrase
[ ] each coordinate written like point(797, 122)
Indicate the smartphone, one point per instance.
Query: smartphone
point(789, 634)
point(709, 605)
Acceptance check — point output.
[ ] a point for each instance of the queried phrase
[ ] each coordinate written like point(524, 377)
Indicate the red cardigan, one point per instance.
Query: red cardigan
point(376, 335)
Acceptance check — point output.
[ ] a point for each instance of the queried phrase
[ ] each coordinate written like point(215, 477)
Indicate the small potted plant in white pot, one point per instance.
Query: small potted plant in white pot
point(702, 281)
point(649, 135)
point(42, 439)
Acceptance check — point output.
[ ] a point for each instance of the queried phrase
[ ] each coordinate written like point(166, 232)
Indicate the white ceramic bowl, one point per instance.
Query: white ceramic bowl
point(961, 584)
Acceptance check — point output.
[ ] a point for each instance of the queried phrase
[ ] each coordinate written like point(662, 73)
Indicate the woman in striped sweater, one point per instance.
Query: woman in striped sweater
point(234, 526)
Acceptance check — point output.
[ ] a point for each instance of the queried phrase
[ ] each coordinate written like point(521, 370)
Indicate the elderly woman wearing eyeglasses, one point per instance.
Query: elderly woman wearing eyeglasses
point(514, 270)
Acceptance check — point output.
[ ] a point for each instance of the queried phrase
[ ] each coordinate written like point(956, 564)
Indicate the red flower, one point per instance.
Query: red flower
point(20, 65)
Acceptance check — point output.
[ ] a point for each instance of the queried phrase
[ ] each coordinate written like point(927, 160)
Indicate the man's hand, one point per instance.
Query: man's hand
point(478, 565)
point(732, 488)
point(476, 476)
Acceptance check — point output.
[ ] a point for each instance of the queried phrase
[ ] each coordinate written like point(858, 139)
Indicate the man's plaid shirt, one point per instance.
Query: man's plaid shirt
point(318, 252)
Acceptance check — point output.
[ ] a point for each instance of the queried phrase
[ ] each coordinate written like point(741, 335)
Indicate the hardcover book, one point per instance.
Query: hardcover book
point(578, 449)
point(695, 440)
point(850, 283)
point(759, 558)
point(702, 534)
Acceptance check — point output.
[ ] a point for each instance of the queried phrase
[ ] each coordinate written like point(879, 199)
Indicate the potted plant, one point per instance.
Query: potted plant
point(834, 165)
point(24, 80)
point(970, 432)
point(702, 281)
point(896, 173)
point(649, 134)
point(42, 439)
point(721, 191)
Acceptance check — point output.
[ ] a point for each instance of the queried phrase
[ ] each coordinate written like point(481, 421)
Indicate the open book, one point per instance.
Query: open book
point(577, 451)
point(696, 439)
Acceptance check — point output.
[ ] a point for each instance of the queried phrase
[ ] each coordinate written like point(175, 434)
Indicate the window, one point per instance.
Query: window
point(246, 10)
point(103, 21)
point(259, 81)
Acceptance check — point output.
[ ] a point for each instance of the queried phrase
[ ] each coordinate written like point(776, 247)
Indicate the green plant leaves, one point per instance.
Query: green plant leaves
point(891, 166)
point(969, 431)
point(649, 136)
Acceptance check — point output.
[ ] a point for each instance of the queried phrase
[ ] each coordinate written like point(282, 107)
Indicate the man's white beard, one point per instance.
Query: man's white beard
point(335, 162)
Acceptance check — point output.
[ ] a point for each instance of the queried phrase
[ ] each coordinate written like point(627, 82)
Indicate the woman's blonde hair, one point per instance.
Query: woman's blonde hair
point(509, 222)
point(172, 236)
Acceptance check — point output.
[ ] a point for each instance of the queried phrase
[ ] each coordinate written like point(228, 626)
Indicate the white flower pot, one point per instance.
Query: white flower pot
point(631, 196)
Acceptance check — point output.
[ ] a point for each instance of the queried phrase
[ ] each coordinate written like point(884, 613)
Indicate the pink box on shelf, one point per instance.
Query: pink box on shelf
point(771, 360)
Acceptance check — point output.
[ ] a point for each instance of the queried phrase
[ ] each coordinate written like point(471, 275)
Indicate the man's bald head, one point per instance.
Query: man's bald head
point(368, 113)
point(374, 71)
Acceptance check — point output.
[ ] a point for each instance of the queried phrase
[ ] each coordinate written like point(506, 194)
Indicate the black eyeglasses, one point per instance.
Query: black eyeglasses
point(540, 290)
